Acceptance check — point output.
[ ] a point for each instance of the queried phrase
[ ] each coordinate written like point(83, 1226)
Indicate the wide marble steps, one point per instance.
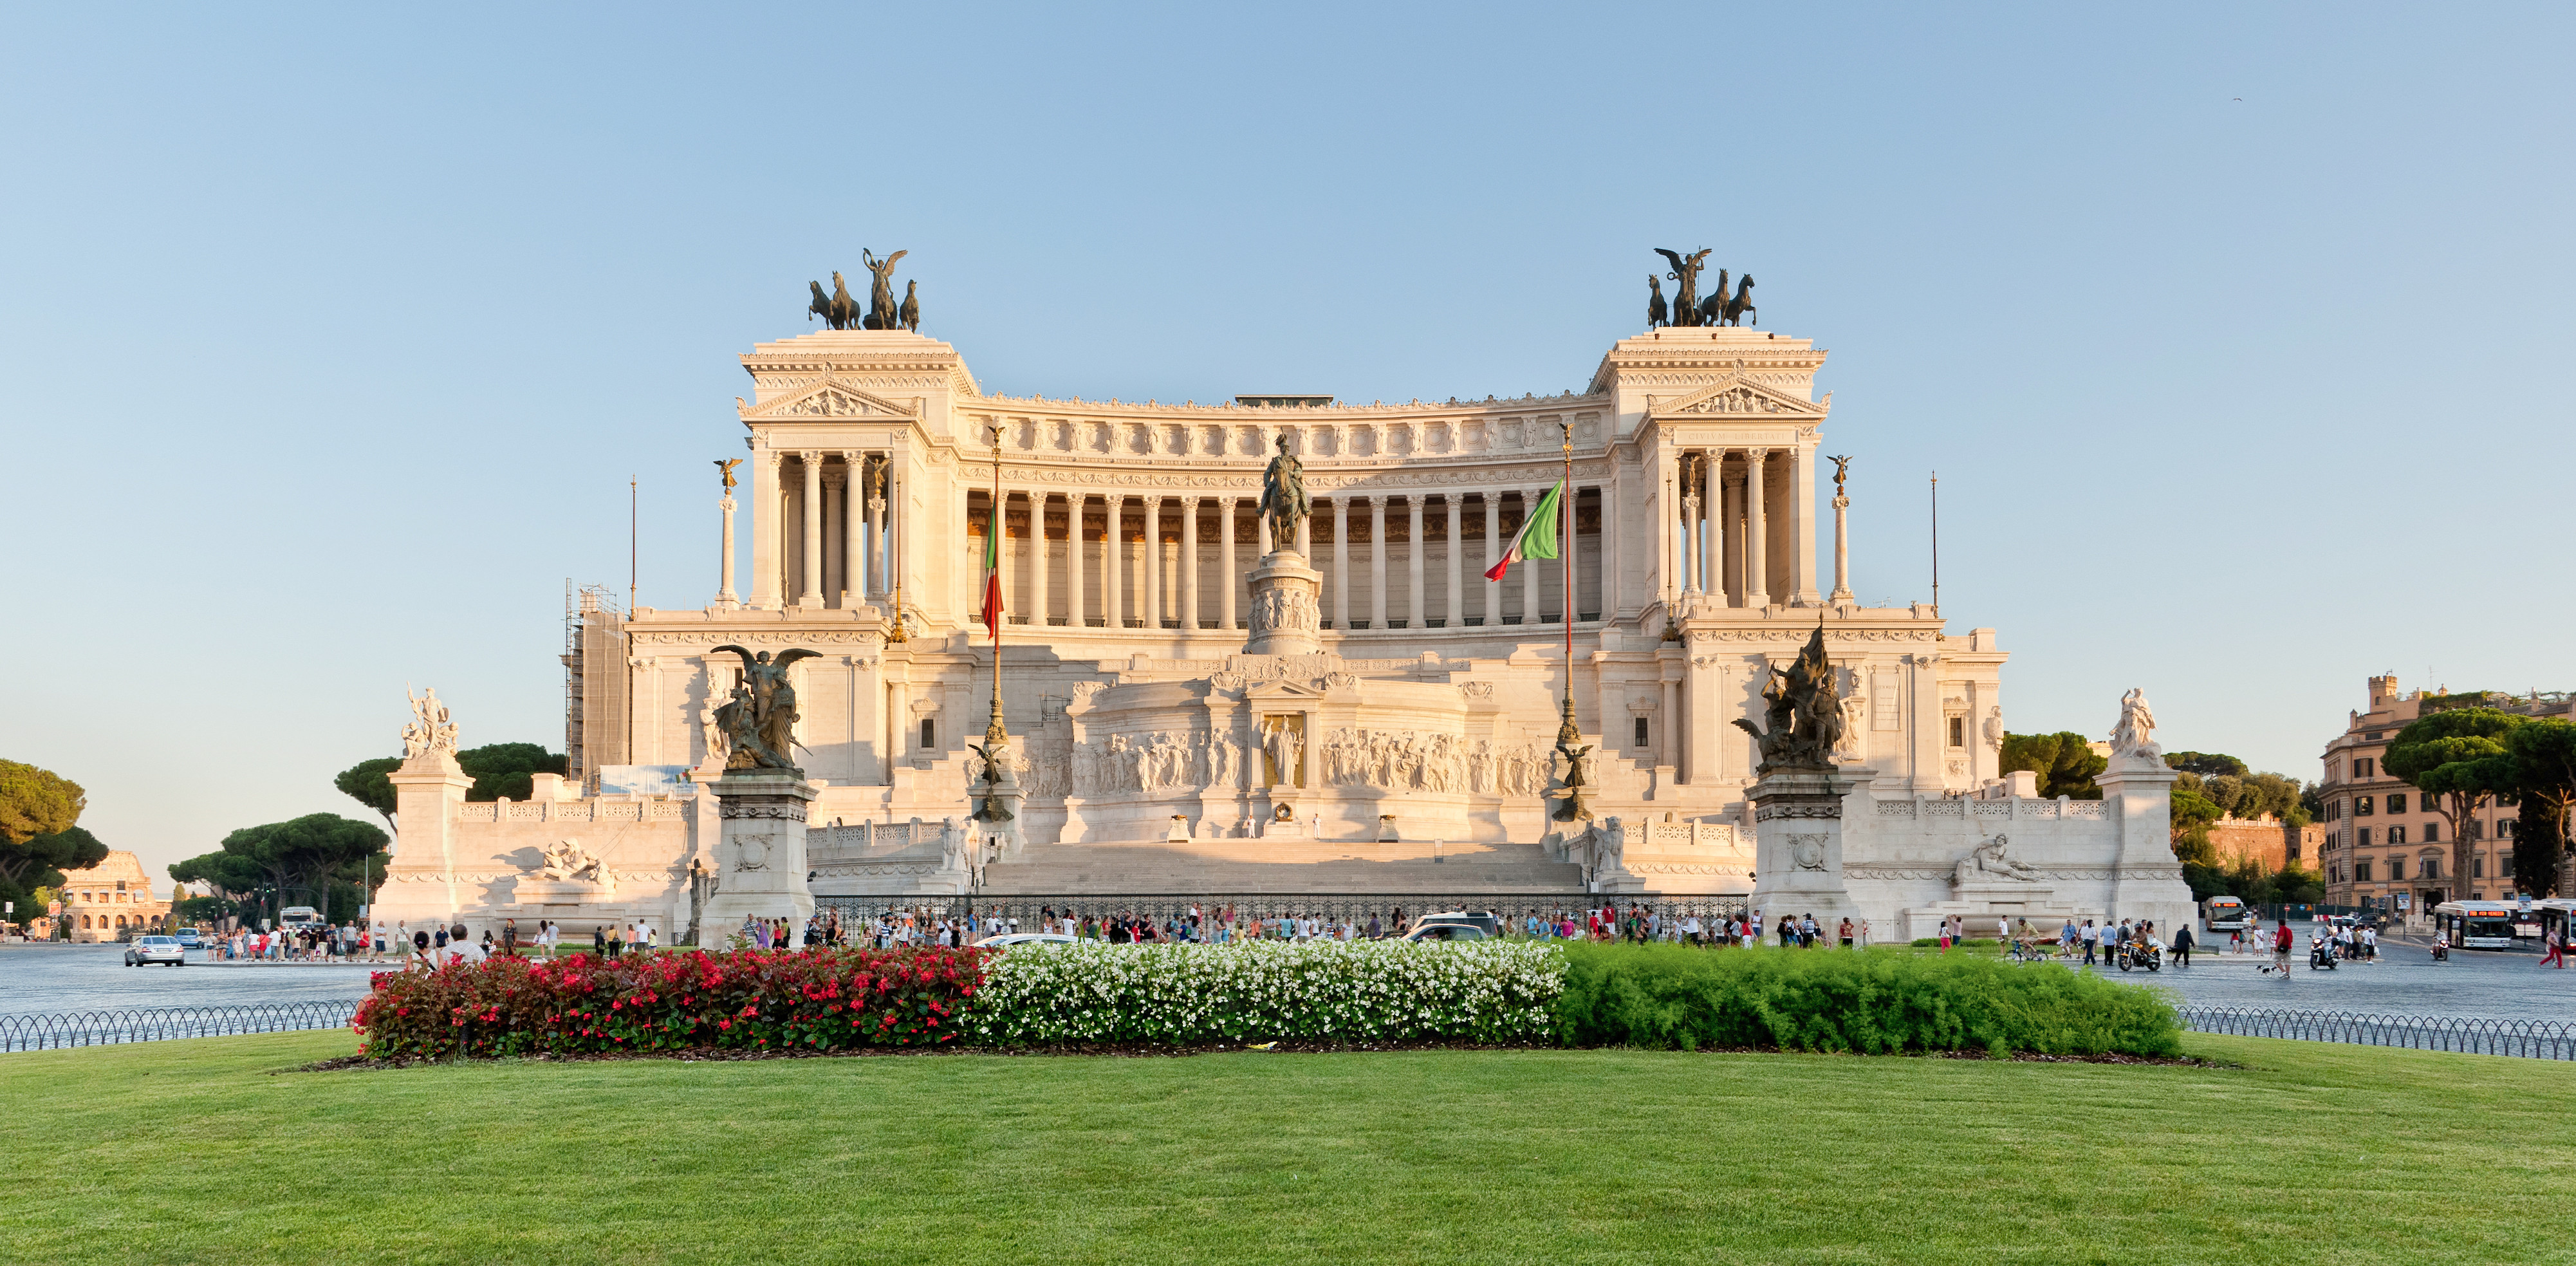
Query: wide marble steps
point(1280, 866)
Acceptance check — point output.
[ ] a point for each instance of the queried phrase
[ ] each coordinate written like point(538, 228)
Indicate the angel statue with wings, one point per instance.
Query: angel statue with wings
point(759, 722)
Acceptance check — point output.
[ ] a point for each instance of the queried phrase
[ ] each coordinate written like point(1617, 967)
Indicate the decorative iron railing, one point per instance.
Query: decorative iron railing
point(160, 1024)
point(2475, 1035)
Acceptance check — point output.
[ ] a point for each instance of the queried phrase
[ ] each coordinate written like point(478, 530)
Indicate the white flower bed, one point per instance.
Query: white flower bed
point(1355, 991)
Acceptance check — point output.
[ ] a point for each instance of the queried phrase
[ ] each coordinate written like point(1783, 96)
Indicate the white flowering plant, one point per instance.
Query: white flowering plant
point(1487, 992)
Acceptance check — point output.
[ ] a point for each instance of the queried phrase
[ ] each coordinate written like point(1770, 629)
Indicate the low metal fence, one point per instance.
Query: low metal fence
point(161, 1024)
point(2474, 1035)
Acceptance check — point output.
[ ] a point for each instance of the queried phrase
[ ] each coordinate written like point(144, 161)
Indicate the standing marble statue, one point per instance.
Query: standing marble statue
point(2134, 737)
point(1283, 498)
point(430, 731)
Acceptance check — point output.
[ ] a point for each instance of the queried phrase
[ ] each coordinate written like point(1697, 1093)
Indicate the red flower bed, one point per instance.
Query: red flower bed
point(817, 999)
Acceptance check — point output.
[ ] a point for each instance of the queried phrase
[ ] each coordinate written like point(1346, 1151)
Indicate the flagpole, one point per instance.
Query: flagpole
point(993, 731)
point(1565, 546)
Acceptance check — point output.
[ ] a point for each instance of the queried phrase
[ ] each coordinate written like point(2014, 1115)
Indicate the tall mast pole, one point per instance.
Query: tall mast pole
point(1936, 542)
point(1565, 546)
point(993, 731)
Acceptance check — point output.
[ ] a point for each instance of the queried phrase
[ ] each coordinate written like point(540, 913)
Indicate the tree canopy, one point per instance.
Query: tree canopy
point(301, 855)
point(506, 769)
point(2457, 758)
point(2543, 755)
point(38, 840)
point(366, 783)
point(2206, 764)
point(2065, 763)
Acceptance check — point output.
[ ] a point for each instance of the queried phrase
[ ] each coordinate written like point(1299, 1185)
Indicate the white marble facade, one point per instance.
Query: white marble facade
point(1433, 700)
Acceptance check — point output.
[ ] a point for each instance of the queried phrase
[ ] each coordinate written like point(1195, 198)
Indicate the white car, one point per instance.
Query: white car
point(156, 949)
point(1446, 932)
point(1009, 939)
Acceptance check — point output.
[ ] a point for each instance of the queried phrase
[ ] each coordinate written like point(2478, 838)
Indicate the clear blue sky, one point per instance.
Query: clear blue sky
point(330, 337)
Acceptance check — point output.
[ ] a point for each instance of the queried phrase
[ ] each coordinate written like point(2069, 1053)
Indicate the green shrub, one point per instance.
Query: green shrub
point(1872, 1002)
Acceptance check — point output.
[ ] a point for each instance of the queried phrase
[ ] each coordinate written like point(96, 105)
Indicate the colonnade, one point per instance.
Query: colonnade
point(1066, 537)
point(1744, 537)
point(827, 545)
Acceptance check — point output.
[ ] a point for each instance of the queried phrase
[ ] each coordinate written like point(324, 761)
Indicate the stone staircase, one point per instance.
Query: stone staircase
point(1268, 866)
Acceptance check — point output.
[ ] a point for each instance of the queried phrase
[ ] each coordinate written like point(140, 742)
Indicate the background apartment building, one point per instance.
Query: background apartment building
point(2384, 839)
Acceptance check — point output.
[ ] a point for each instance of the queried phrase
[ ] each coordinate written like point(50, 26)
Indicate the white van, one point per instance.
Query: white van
point(297, 918)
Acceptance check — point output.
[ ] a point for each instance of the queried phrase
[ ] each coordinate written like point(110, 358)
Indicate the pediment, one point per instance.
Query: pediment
point(827, 398)
point(1736, 396)
point(1281, 690)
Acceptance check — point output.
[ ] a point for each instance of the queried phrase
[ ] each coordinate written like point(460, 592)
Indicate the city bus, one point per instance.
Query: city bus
point(2554, 915)
point(2475, 924)
point(2225, 914)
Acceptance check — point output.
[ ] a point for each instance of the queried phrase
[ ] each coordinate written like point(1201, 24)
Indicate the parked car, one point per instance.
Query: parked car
point(1428, 931)
point(191, 938)
point(1009, 939)
point(1489, 923)
point(155, 949)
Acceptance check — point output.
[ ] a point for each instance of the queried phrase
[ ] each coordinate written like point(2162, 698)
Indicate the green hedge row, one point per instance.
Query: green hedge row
point(1874, 1002)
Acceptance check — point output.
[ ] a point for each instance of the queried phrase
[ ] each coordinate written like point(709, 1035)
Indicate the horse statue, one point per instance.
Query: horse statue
point(821, 307)
point(911, 313)
point(845, 310)
point(1656, 318)
point(1686, 271)
point(1739, 310)
point(1713, 308)
point(881, 308)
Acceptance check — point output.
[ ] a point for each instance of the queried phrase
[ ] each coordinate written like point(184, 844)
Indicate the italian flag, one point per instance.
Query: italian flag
point(1537, 537)
point(993, 573)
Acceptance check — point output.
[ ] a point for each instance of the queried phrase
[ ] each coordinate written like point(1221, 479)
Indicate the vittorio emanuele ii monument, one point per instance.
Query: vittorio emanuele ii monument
point(1263, 646)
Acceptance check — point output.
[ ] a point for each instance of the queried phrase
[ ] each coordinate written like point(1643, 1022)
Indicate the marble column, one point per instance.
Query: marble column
point(854, 531)
point(1493, 553)
point(1113, 598)
point(1152, 606)
point(1225, 560)
point(1189, 564)
point(1712, 498)
point(1377, 561)
point(1730, 555)
point(811, 593)
point(1610, 584)
point(1842, 550)
point(1802, 532)
point(1041, 599)
point(1454, 614)
point(726, 599)
point(880, 560)
point(1074, 504)
point(1757, 554)
point(768, 542)
point(1342, 563)
point(1688, 537)
point(1418, 615)
point(1532, 609)
point(836, 521)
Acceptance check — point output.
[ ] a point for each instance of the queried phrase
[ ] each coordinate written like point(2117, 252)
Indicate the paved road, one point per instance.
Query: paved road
point(41, 978)
point(2405, 980)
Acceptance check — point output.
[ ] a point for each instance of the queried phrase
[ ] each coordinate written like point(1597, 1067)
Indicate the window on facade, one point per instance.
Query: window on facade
point(2478, 866)
point(929, 733)
point(1958, 731)
point(2361, 806)
point(2334, 770)
point(2504, 827)
point(2361, 871)
point(2432, 832)
point(2477, 829)
point(2397, 835)
point(2432, 868)
point(1641, 733)
point(2364, 834)
point(2397, 802)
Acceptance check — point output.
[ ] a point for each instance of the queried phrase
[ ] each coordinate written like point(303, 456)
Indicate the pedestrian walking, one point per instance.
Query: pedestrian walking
point(2182, 946)
point(2553, 945)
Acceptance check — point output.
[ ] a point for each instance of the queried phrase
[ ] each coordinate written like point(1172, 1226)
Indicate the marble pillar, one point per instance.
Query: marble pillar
point(1225, 560)
point(1189, 564)
point(1074, 505)
point(1493, 553)
point(1417, 613)
point(726, 599)
point(1377, 561)
point(1453, 612)
point(1342, 563)
point(1757, 549)
point(810, 594)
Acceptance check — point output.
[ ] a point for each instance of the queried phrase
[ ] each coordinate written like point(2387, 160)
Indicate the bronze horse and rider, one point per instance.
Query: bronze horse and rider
point(839, 310)
point(1688, 308)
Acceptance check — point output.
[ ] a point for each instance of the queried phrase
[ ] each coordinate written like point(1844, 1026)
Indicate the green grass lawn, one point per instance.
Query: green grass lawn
point(205, 1152)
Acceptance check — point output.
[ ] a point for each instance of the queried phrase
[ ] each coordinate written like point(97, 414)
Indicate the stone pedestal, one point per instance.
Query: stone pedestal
point(2146, 879)
point(1287, 614)
point(1798, 846)
point(761, 856)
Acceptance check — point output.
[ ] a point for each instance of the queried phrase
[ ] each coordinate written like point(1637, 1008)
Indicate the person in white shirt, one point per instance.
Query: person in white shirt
point(461, 948)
